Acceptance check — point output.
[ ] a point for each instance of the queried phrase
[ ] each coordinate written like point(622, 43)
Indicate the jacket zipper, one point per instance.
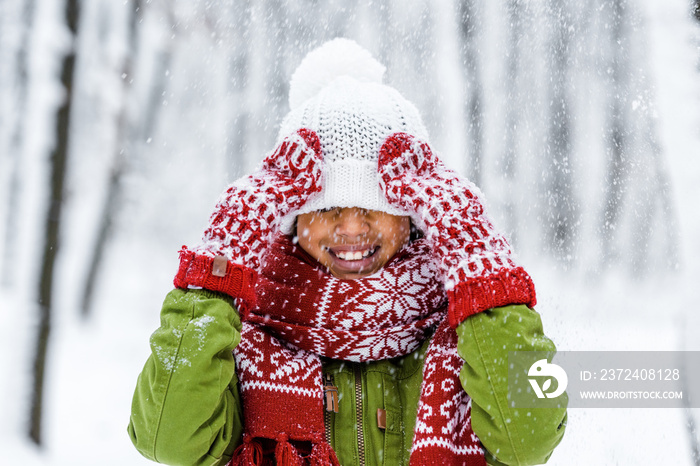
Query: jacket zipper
point(358, 404)
point(327, 425)
point(330, 402)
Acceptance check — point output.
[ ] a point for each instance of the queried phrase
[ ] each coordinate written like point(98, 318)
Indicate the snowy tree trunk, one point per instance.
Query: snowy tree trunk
point(59, 159)
point(618, 134)
point(386, 29)
point(124, 143)
point(696, 9)
point(417, 47)
point(276, 78)
point(690, 387)
point(512, 117)
point(14, 82)
point(559, 203)
point(337, 19)
point(239, 64)
point(470, 40)
point(161, 75)
point(654, 208)
point(692, 433)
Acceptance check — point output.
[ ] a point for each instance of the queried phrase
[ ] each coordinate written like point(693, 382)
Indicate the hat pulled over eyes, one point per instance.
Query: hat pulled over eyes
point(337, 92)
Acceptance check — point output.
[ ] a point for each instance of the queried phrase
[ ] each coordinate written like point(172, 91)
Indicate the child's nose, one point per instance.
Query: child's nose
point(352, 222)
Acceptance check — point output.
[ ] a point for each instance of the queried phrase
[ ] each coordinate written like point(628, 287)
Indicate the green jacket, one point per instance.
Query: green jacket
point(186, 408)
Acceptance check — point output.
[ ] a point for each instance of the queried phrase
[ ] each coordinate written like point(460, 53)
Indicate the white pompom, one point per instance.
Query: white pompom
point(335, 58)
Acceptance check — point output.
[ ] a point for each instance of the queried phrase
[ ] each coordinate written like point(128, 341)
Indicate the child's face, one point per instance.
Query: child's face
point(352, 242)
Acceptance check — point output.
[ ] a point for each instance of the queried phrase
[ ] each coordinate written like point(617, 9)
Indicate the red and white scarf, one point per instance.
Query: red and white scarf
point(303, 312)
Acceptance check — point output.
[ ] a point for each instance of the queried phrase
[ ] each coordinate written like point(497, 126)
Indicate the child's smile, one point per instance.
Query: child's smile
point(355, 259)
point(354, 253)
point(352, 242)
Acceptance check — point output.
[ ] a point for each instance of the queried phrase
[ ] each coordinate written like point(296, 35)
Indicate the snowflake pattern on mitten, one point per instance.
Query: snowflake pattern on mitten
point(246, 218)
point(475, 261)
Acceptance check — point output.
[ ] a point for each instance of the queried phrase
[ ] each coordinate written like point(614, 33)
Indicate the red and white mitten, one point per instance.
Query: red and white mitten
point(246, 219)
point(476, 262)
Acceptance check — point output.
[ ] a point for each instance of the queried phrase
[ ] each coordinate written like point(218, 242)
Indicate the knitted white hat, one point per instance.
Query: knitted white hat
point(337, 92)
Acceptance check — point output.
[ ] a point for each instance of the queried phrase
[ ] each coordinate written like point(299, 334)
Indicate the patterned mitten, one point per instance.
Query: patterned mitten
point(246, 219)
point(476, 262)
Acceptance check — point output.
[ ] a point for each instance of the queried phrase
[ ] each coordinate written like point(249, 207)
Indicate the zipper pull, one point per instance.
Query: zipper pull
point(330, 393)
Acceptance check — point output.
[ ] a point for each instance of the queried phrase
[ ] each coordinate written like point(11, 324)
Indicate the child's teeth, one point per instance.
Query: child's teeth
point(354, 256)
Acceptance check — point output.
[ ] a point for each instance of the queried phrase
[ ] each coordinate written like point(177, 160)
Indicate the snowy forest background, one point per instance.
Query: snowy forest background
point(120, 123)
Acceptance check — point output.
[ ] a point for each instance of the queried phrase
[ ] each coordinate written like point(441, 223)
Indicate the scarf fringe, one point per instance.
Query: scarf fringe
point(249, 453)
point(286, 454)
point(323, 455)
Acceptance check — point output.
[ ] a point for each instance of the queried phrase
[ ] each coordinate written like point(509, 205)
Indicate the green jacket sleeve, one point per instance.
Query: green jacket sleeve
point(511, 436)
point(186, 408)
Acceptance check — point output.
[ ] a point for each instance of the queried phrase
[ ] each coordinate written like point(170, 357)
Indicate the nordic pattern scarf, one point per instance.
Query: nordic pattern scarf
point(303, 312)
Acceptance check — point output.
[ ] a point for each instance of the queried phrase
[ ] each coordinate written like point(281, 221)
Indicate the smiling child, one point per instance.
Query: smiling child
point(350, 303)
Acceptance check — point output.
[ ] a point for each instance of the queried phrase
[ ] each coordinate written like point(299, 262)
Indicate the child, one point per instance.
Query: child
point(350, 303)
